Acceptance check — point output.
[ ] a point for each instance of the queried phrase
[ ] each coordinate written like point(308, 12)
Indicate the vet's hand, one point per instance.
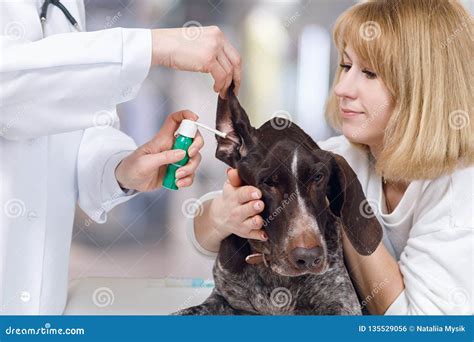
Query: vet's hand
point(236, 211)
point(201, 49)
point(144, 169)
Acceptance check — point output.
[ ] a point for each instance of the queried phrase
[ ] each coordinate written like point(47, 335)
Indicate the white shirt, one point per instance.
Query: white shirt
point(57, 88)
point(430, 233)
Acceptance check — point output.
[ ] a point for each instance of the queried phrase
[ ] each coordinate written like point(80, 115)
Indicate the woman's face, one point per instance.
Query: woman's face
point(365, 103)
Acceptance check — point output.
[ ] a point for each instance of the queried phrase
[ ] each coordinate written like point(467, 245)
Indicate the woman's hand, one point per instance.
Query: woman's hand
point(236, 210)
point(202, 49)
point(144, 169)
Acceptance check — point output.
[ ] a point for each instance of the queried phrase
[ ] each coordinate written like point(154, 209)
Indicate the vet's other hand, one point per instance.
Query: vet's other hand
point(201, 49)
point(145, 168)
point(237, 210)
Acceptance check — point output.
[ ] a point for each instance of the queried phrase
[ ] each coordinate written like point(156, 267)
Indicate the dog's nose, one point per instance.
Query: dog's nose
point(304, 258)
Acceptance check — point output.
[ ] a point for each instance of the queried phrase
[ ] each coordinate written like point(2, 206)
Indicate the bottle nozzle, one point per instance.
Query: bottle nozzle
point(215, 131)
point(188, 128)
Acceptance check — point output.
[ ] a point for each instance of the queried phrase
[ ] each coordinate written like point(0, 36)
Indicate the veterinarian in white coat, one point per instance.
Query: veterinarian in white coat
point(59, 137)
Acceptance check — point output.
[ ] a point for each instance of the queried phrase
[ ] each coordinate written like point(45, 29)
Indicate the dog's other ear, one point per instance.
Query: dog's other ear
point(232, 119)
point(346, 199)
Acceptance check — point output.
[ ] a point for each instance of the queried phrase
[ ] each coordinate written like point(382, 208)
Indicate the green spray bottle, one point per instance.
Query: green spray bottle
point(184, 138)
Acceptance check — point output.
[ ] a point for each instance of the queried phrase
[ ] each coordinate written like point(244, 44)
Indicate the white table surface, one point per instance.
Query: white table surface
point(130, 296)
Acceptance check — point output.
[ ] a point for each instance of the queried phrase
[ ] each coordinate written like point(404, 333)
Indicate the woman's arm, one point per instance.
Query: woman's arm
point(377, 277)
point(205, 230)
point(94, 72)
point(44, 92)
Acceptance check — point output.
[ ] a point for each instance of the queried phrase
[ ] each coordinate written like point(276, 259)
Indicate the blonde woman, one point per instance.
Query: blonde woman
point(401, 98)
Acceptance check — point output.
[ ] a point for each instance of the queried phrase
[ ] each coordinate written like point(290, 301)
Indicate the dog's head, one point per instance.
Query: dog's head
point(308, 192)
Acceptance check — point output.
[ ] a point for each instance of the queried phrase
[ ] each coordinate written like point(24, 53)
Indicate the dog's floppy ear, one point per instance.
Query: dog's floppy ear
point(346, 200)
point(232, 119)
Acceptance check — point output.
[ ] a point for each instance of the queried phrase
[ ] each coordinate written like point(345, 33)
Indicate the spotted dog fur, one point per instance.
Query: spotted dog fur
point(257, 290)
point(325, 199)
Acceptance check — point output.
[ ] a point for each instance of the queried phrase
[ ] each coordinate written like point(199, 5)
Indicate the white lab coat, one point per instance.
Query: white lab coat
point(58, 88)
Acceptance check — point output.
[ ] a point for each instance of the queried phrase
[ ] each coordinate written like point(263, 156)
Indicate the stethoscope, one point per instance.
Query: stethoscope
point(58, 4)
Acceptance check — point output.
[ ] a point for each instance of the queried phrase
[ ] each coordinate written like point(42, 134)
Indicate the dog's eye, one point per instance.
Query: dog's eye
point(318, 177)
point(271, 181)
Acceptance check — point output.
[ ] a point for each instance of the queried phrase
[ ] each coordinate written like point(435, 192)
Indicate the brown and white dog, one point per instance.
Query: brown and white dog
point(310, 195)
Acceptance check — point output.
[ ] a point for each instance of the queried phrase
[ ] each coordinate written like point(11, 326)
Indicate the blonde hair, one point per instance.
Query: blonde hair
point(422, 50)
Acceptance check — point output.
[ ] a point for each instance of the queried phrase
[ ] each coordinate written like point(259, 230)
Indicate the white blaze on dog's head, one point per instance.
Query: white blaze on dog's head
point(303, 221)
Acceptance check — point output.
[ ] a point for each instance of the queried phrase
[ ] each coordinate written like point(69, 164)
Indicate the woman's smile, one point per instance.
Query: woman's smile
point(348, 113)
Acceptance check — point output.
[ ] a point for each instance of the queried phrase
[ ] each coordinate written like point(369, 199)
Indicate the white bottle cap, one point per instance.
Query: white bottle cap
point(187, 128)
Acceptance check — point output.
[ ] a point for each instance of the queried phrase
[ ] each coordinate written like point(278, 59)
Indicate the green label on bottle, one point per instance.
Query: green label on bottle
point(181, 143)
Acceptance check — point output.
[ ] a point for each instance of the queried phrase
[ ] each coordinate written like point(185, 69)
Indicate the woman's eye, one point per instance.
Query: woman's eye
point(346, 67)
point(369, 74)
